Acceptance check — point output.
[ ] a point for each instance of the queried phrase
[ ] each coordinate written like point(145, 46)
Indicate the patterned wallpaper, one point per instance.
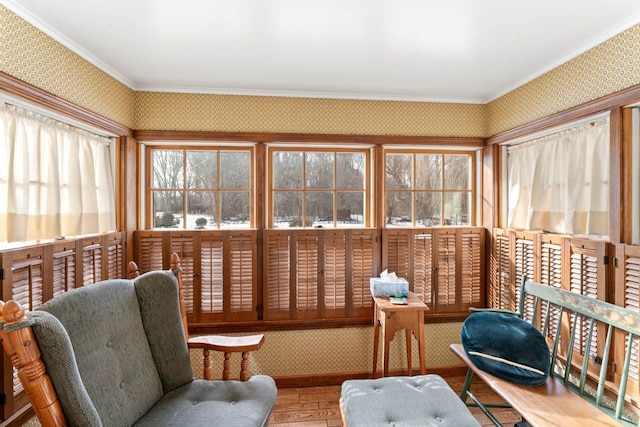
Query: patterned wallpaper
point(180, 111)
point(33, 57)
point(321, 351)
point(610, 67)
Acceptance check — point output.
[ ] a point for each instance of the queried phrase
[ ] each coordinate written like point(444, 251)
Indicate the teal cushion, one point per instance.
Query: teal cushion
point(507, 347)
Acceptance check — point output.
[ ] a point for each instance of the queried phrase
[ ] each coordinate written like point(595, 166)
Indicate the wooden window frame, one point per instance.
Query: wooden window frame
point(218, 148)
point(334, 149)
point(443, 191)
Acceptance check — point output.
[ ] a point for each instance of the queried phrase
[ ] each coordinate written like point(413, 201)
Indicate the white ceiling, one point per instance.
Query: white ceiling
point(424, 50)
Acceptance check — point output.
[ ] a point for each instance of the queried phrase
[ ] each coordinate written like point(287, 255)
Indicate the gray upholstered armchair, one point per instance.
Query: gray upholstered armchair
point(116, 355)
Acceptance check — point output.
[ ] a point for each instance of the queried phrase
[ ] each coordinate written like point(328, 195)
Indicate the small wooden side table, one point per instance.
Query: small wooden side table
point(394, 317)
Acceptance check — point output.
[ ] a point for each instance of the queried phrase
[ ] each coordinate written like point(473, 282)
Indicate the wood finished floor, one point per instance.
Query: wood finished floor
point(319, 406)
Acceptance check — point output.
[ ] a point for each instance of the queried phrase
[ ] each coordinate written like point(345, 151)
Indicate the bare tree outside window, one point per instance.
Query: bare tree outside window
point(318, 188)
point(428, 189)
point(201, 189)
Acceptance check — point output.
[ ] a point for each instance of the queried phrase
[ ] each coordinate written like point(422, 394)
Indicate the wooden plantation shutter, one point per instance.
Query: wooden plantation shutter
point(523, 245)
point(627, 295)
point(149, 250)
point(277, 267)
point(362, 251)
point(209, 289)
point(444, 266)
point(242, 278)
point(585, 271)
point(306, 274)
point(316, 274)
point(334, 273)
point(551, 252)
point(499, 287)
point(422, 277)
point(36, 274)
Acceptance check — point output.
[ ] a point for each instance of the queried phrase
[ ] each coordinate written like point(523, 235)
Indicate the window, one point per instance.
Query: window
point(201, 188)
point(319, 188)
point(55, 180)
point(428, 189)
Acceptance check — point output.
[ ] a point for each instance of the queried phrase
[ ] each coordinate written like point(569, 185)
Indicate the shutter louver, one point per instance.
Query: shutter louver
point(212, 280)
point(423, 267)
point(632, 302)
point(524, 266)
point(363, 268)
point(500, 277)
point(242, 276)
point(307, 273)
point(397, 251)
point(114, 260)
point(91, 264)
point(64, 272)
point(149, 251)
point(446, 259)
point(471, 263)
point(335, 258)
point(551, 275)
point(183, 246)
point(584, 269)
point(278, 275)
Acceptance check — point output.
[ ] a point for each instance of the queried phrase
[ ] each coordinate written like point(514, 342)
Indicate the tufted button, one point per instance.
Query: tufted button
point(109, 344)
point(195, 402)
point(122, 385)
point(233, 402)
point(438, 419)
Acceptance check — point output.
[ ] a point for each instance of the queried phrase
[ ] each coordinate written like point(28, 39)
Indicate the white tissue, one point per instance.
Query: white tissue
point(388, 277)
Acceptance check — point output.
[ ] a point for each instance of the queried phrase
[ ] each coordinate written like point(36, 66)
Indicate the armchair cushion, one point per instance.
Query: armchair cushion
point(219, 403)
point(102, 323)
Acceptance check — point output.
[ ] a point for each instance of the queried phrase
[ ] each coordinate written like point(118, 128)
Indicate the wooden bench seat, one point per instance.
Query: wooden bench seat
point(551, 404)
point(573, 396)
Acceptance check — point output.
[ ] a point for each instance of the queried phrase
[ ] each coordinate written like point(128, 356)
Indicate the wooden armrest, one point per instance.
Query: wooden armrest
point(227, 345)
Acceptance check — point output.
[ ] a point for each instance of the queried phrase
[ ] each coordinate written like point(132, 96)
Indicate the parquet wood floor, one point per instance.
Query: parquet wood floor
point(319, 406)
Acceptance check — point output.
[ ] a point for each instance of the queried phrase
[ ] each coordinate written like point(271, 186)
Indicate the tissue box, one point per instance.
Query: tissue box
point(388, 288)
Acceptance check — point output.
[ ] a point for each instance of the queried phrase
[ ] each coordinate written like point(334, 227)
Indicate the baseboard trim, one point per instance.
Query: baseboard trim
point(314, 380)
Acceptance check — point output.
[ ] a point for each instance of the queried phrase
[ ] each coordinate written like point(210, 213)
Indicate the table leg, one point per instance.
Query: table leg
point(409, 361)
point(421, 345)
point(376, 342)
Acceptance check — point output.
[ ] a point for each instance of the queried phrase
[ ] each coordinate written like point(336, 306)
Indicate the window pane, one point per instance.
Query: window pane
point(167, 169)
point(287, 170)
point(235, 208)
point(319, 206)
point(399, 171)
point(428, 208)
point(457, 208)
point(167, 209)
point(235, 169)
point(202, 169)
point(350, 171)
point(399, 209)
point(287, 209)
point(457, 172)
point(319, 170)
point(350, 209)
point(201, 209)
point(428, 171)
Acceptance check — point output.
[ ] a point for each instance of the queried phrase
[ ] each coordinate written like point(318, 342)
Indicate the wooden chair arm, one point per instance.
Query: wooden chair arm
point(22, 348)
point(227, 345)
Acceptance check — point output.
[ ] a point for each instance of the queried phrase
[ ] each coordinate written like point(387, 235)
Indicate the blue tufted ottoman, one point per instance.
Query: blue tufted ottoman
point(424, 400)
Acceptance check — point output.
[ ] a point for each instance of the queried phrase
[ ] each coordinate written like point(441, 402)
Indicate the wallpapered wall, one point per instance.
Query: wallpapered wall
point(37, 59)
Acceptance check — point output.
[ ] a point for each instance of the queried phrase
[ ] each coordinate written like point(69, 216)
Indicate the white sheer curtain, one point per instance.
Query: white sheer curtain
point(560, 182)
point(55, 180)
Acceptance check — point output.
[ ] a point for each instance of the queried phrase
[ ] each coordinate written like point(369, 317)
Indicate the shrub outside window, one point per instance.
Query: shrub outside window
point(319, 188)
point(428, 189)
point(201, 188)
